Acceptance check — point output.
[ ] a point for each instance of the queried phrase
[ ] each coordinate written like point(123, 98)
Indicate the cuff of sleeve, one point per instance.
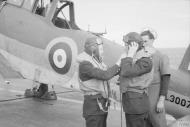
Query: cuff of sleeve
point(118, 69)
point(127, 59)
point(163, 93)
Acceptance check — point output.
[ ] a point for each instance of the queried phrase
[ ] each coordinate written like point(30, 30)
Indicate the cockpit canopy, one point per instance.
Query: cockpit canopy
point(60, 12)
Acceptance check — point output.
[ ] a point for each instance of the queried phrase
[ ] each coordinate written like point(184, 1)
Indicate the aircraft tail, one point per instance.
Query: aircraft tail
point(185, 61)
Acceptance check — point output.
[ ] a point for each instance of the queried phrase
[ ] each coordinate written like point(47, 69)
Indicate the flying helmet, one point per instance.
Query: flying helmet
point(133, 37)
point(97, 50)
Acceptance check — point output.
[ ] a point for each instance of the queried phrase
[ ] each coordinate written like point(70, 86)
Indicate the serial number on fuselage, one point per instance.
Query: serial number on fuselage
point(179, 101)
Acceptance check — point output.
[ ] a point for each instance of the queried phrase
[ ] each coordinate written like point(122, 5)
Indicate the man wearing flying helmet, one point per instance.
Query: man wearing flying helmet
point(159, 86)
point(135, 76)
point(93, 78)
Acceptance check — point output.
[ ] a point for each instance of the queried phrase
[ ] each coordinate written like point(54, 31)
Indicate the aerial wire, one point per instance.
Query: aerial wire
point(20, 98)
point(121, 115)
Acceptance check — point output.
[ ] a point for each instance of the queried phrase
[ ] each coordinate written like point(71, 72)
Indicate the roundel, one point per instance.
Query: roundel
point(60, 53)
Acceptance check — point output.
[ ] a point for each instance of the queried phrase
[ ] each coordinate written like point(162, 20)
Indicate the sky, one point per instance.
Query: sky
point(169, 18)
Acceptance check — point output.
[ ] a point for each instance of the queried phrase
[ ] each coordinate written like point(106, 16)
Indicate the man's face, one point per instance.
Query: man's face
point(98, 49)
point(147, 41)
point(126, 47)
point(101, 50)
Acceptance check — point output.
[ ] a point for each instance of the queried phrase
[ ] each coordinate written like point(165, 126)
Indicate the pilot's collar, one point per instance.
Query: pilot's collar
point(83, 57)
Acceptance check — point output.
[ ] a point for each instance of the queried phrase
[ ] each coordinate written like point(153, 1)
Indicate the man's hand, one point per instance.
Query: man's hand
point(121, 57)
point(160, 104)
point(132, 49)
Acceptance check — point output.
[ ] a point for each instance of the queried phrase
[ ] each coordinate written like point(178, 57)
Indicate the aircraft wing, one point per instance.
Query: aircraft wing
point(6, 71)
point(182, 122)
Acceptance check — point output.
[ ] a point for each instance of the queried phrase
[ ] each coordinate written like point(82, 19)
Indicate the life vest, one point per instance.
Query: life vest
point(139, 83)
point(93, 86)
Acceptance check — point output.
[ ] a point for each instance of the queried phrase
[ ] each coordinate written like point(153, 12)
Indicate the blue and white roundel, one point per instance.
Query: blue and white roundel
point(60, 53)
point(60, 58)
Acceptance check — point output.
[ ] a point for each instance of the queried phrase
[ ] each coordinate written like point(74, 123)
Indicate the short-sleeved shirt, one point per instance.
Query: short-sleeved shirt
point(161, 66)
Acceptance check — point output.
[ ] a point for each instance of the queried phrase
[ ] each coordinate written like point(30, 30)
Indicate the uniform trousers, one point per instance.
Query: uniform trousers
point(94, 116)
point(96, 120)
point(156, 119)
point(136, 120)
point(136, 108)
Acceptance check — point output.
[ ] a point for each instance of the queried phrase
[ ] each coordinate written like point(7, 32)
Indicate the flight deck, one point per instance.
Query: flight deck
point(66, 111)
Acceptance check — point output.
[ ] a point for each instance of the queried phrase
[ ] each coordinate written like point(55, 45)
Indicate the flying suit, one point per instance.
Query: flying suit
point(135, 76)
point(93, 78)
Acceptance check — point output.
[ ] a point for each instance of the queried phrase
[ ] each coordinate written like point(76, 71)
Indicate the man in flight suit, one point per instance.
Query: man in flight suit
point(159, 86)
point(93, 77)
point(135, 76)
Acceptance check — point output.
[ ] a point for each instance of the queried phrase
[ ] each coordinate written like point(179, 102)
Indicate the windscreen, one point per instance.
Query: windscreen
point(15, 2)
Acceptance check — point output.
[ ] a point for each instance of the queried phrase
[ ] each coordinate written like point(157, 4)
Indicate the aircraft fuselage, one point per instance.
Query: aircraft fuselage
point(33, 44)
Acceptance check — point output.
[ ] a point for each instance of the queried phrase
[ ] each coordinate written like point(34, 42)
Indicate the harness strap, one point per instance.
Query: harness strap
point(145, 90)
point(101, 106)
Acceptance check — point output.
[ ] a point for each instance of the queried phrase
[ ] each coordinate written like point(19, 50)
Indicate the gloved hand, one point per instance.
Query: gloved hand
point(120, 58)
point(160, 104)
point(132, 49)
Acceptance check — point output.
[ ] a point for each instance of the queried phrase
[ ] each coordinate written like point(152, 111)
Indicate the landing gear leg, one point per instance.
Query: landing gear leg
point(42, 92)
